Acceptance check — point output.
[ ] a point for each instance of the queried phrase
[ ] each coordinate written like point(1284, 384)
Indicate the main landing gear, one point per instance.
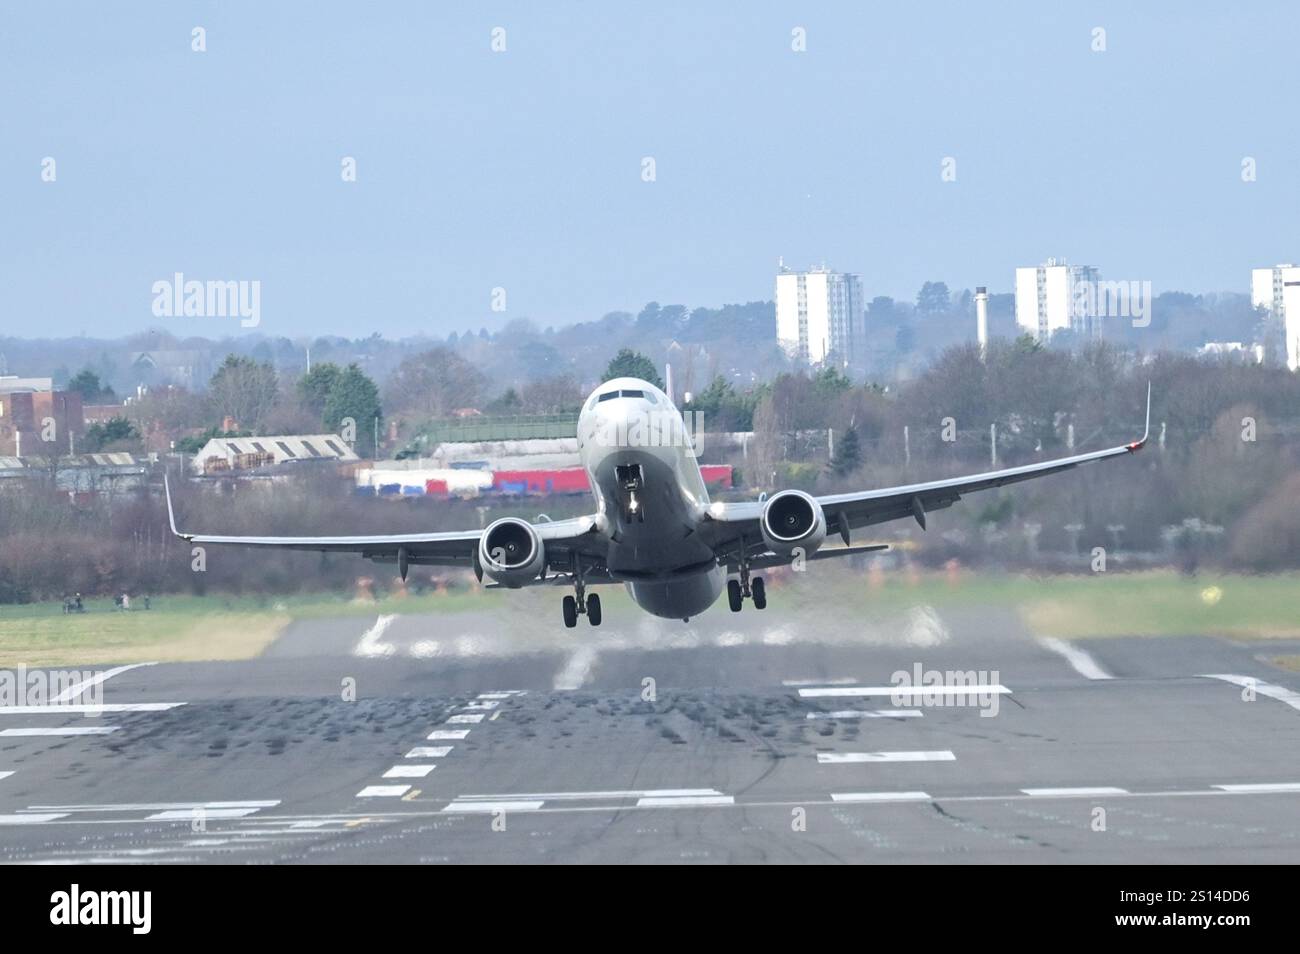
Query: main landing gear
point(580, 603)
point(737, 590)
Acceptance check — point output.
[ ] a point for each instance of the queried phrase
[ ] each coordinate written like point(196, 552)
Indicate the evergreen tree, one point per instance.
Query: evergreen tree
point(632, 364)
point(848, 453)
point(353, 395)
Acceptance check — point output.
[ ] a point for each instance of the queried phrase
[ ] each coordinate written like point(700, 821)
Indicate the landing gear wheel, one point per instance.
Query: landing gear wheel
point(593, 609)
point(735, 599)
point(759, 592)
point(570, 607)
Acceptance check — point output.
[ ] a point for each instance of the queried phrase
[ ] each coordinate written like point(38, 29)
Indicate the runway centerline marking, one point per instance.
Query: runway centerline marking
point(1070, 792)
point(796, 683)
point(188, 814)
point(62, 730)
point(1080, 661)
point(409, 771)
point(596, 796)
point(1260, 788)
point(1281, 693)
point(880, 797)
point(867, 714)
point(383, 791)
point(4, 775)
point(836, 758)
point(905, 692)
point(29, 819)
point(153, 806)
point(77, 688)
point(429, 752)
point(475, 807)
point(465, 719)
point(684, 801)
point(437, 734)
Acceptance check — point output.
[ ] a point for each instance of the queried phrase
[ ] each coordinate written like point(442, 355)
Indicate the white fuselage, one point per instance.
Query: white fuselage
point(650, 498)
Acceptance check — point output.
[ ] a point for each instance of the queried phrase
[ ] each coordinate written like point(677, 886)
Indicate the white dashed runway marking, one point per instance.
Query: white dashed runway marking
point(1071, 792)
point(437, 734)
point(409, 771)
point(63, 730)
point(1261, 788)
point(188, 814)
point(30, 819)
point(492, 807)
point(868, 714)
point(82, 708)
point(465, 719)
point(880, 797)
point(904, 692)
point(4, 775)
point(684, 801)
point(834, 758)
point(383, 791)
point(429, 752)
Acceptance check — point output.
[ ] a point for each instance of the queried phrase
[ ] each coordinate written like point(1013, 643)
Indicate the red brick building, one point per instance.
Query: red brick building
point(26, 418)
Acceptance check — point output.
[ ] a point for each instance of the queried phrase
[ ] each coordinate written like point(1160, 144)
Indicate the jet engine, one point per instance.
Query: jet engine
point(511, 552)
point(792, 519)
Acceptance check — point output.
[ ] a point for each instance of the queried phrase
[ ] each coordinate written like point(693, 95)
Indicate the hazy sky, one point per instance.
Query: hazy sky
point(523, 169)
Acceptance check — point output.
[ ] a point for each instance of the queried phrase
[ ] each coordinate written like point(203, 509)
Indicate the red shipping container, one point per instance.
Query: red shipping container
point(436, 487)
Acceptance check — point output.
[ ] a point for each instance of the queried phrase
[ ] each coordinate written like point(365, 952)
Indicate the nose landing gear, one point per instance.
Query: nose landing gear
point(630, 485)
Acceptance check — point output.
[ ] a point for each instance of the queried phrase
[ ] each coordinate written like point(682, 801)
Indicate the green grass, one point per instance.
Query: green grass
point(1156, 603)
point(1106, 604)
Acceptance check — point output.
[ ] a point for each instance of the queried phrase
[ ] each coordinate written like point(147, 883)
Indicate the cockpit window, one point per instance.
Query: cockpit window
point(650, 396)
point(631, 394)
point(608, 396)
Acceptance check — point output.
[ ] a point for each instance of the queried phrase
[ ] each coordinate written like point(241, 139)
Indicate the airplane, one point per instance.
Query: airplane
point(655, 530)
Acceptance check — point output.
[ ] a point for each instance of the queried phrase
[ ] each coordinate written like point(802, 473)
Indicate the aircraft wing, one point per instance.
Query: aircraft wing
point(453, 548)
point(864, 508)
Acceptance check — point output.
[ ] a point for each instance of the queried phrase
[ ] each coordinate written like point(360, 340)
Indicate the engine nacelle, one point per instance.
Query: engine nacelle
point(511, 552)
point(793, 520)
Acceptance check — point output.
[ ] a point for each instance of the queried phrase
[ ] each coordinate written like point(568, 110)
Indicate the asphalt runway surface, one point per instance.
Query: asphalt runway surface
point(761, 737)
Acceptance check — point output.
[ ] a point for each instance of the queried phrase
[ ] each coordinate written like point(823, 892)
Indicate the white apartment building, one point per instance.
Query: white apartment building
point(819, 314)
point(1049, 299)
point(1278, 290)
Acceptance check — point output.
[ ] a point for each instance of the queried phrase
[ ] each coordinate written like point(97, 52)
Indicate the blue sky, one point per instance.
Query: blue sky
point(522, 169)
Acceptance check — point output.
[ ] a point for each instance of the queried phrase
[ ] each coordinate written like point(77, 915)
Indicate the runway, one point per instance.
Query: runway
point(761, 737)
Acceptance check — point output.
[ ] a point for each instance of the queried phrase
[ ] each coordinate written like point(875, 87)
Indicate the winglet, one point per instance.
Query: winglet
point(1138, 444)
point(171, 514)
